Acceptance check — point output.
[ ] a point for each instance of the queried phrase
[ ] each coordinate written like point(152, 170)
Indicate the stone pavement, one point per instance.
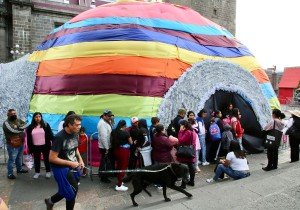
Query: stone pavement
point(279, 189)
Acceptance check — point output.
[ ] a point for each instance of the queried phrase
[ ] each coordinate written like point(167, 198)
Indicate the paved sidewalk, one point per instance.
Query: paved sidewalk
point(279, 189)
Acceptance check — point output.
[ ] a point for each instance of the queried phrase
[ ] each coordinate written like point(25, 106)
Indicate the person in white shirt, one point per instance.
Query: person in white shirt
point(104, 132)
point(235, 165)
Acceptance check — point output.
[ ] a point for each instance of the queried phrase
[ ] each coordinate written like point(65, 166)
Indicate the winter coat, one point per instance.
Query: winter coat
point(161, 148)
point(186, 137)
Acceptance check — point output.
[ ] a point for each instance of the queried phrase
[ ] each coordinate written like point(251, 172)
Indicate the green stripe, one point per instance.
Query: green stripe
point(93, 105)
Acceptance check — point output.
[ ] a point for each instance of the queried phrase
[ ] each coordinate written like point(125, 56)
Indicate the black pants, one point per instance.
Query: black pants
point(107, 162)
point(272, 154)
point(57, 197)
point(294, 149)
point(37, 157)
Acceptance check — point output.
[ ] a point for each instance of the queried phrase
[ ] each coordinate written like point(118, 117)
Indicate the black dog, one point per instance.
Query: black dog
point(166, 176)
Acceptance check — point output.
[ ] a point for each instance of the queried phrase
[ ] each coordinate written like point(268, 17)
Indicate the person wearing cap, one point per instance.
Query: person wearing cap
point(181, 114)
point(294, 134)
point(104, 132)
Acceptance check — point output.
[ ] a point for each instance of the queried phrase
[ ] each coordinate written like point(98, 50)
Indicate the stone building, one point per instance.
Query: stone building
point(26, 22)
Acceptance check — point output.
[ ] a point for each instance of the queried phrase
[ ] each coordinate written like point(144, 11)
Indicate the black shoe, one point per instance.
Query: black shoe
point(11, 176)
point(22, 171)
point(49, 204)
point(191, 183)
point(267, 168)
point(105, 180)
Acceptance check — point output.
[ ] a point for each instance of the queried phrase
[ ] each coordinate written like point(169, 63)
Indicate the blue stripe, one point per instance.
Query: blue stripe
point(268, 90)
point(132, 34)
point(88, 122)
point(151, 22)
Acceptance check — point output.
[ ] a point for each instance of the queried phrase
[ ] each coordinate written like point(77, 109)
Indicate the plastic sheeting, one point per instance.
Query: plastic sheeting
point(16, 85)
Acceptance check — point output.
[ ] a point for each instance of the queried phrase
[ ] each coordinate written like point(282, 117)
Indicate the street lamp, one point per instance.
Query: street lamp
point(16, 51)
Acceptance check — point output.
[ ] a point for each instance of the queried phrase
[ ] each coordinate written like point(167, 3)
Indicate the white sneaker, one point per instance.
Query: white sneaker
point(48, 175)
point(121, 188)
point(210, 180)
point(205, 163)
point(36, 175)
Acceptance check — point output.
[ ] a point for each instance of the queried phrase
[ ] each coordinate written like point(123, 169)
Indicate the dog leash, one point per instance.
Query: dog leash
point(129, 170)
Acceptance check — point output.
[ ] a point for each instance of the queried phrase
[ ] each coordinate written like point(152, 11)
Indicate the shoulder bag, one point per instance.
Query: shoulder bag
point(273, 137)
point(186, 151)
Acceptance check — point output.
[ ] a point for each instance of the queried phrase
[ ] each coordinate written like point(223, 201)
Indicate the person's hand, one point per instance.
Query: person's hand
point(181, 127)
point(81, 163)
point(74, 165)
point(135, 141)
point(222, 161)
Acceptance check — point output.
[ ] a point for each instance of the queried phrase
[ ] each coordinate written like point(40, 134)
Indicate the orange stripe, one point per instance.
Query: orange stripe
point(260, 75)
point(126, 65)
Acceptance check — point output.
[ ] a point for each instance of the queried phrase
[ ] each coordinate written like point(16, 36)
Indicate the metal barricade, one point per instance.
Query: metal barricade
point(93, 155)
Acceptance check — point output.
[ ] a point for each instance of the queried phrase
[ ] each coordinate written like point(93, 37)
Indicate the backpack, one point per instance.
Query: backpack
point(214, 132)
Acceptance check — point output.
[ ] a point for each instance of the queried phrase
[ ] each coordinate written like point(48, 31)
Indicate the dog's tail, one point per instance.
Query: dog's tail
point(127, 178)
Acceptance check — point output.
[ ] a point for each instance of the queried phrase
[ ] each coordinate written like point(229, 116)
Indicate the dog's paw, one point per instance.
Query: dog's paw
point(135, 204)
point(189, 195)
point(167, 199)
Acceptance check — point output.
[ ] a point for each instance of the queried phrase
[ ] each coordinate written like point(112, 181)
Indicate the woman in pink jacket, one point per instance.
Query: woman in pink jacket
point(186, 137)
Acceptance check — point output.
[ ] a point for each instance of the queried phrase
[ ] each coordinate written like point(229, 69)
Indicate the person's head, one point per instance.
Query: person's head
point(202, 113)
point(236, 149)
point(277, 114)
point(159, 128)
point(37, 119)
point(12, 114)
point(107, 115)
point(121, 125)
point(73, 123)
point(82, 131)
point(143, 124)
point(218, 114)
point(155, 121)
point(68, 114)
point(181, 112)
point(227, 127)
point(185, 125)
point(135, 121)
point(230, 106)
point(191, 115)
point(236, 113)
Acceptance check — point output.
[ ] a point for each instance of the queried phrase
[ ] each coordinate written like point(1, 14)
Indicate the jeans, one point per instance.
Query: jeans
point(240, 140)
point(196, 164)
point(203, 147)
point(14, 156)
point(230, 172)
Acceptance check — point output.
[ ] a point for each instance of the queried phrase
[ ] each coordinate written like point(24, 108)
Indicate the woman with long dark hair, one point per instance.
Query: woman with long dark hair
point(186, 137)
point(272, 152)
point(235, 165)
point(39, 137)
point(121, 142)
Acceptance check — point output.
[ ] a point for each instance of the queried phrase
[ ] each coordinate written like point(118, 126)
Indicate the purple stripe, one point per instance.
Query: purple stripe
point(103, 84)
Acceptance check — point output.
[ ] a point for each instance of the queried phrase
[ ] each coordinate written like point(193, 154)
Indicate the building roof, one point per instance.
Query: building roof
point(290, 77)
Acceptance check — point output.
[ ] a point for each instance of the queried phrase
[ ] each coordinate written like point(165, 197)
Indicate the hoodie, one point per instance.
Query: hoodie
point(227, 137)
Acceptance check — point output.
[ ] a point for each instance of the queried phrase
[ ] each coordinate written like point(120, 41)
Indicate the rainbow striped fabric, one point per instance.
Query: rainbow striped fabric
point(125, 56)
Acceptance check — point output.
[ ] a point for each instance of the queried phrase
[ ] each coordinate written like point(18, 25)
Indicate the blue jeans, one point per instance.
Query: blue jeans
point(240, 140)
point(230, 172)
point(203, 147)
point(14, 156)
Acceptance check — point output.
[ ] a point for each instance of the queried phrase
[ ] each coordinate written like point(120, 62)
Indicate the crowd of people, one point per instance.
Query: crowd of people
point(214, 138)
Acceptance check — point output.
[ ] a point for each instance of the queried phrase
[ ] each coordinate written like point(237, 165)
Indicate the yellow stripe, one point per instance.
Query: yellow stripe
point(121, 105)
point(135, 48)
point(274, 103)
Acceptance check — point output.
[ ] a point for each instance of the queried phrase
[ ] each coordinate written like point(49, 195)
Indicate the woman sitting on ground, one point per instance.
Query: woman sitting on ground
point(235, 165)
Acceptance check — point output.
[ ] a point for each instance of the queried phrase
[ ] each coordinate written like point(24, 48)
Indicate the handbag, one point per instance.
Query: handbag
point(186, 151)
point(15, 141)
point(273, 137)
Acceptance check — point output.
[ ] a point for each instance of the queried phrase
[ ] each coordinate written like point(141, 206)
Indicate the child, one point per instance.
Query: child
point(215, 136)
point(82, 147)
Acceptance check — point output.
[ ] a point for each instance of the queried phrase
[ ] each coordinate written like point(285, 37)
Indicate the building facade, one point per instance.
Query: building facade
point(25, 23)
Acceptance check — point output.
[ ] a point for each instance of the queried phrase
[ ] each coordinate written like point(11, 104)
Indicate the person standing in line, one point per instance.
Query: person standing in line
point(180, 116)
point(66, 163)
point(121, 142)
point(61, 123)
point(154, 123)
point(237, 126)
point(272, 152)
point(294, 134)
point(104, 143)
point(82, 147)
point(13, 129)
point(202, 134)
point(39, 138)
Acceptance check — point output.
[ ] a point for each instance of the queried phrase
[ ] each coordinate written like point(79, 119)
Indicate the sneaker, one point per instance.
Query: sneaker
point(205, 163)
point(49, 204)
point(48, 175)
point(22, 171)
point(36, 175)
point(121, 188)
point(11, 176)
point(210, 180)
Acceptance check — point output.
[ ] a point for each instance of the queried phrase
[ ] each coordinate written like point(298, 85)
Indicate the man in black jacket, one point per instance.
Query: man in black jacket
point(181, 114)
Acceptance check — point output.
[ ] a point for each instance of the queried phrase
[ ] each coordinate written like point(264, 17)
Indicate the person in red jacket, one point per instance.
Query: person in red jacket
point(236, 125)
point(186, 137)
point(82, 147)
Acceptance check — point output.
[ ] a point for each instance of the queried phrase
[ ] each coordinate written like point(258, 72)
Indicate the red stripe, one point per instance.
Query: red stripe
point(103, 84)
point(220, 41)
